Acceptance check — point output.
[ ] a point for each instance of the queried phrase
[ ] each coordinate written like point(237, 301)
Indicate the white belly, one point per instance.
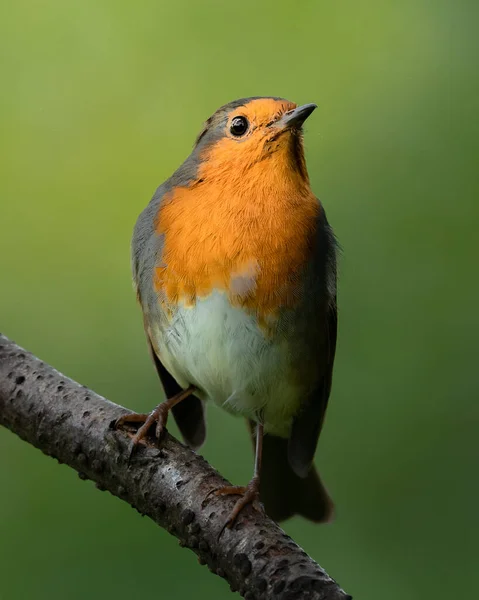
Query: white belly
point(222, 350)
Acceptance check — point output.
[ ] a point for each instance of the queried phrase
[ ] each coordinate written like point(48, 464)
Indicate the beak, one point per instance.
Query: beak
point(295, 118)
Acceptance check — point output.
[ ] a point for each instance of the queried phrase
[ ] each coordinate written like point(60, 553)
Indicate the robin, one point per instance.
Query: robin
point(234, 265)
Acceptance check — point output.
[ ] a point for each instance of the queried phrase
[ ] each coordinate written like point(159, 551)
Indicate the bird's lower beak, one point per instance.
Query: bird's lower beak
point(294, 119)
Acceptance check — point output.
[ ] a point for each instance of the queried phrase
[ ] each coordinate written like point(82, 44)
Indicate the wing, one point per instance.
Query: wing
point(146, 254)
point(308, 423)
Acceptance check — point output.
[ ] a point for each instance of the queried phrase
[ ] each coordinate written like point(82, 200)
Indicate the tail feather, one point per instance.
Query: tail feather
point(284, 493)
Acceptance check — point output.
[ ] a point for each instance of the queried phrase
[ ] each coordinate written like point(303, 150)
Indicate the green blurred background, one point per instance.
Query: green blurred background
point(100, 101)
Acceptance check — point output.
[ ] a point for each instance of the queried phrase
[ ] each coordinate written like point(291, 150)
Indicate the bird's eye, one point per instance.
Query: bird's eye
point(239, 126)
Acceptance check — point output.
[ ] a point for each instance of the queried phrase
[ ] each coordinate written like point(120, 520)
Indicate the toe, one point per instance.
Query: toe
point(159, 432)
point(130, 418)
point(230, 490)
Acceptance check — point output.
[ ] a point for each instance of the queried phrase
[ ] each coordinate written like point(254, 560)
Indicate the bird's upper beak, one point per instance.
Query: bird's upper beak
point(294, 119)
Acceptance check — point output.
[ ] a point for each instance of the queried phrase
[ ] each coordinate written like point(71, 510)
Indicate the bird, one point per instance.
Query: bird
point(234, 266)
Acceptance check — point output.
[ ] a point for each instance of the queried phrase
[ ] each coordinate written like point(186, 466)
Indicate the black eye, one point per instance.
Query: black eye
point(239, 126)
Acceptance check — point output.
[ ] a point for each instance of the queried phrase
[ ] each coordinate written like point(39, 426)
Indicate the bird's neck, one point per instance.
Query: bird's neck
point(266, 185)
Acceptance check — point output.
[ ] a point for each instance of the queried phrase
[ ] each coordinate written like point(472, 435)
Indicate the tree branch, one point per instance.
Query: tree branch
point(73, 424)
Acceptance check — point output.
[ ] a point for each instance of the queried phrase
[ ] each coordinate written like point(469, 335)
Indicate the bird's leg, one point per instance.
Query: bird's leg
point(250, 493)
point(159, 416)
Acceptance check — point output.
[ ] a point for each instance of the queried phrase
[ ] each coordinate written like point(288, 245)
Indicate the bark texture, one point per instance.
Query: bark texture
point(74, 425)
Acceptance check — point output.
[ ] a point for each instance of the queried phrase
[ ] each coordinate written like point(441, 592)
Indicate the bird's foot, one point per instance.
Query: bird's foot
point(249, 495)
point(159, 416)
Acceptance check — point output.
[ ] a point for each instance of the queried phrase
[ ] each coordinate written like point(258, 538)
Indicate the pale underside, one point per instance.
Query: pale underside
point(247, 369)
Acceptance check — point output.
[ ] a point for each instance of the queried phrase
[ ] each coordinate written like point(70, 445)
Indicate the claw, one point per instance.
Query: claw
point(157, 415)
point(249, 495)
point(229, 490)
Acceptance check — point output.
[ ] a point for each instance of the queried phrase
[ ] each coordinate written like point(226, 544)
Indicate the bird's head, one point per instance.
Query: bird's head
point(254, 135)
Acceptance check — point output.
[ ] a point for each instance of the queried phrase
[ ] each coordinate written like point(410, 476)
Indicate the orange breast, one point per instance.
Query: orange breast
point(248, 234)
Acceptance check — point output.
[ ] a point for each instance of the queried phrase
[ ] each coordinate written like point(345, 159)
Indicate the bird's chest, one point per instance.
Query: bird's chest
point(253, 251)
